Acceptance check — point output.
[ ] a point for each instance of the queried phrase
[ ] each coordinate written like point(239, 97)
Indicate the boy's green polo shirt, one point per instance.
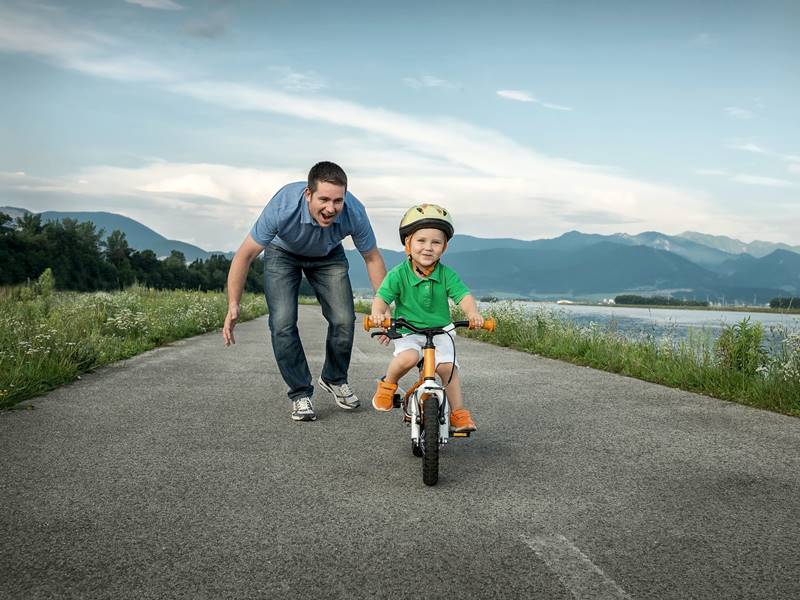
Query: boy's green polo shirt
point(422, 302)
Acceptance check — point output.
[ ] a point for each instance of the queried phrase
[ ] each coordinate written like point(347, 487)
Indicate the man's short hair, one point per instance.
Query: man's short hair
point(327, 172)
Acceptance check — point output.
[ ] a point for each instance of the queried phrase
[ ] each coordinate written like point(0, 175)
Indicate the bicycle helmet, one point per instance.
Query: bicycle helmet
point(423, 216)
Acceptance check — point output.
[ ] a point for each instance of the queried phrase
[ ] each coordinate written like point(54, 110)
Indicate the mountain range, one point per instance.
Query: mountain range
point(573, 265)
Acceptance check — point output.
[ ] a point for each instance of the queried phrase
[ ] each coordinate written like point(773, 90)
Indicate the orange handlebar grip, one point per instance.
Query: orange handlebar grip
point(488, 324)
point(369, 323)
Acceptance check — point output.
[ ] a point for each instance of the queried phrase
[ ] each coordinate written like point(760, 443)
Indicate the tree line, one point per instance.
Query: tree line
point(83, 260)
point(784, 303)
point(656, 301)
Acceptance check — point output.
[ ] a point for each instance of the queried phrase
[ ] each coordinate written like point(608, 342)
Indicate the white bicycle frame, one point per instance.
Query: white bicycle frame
point(432, 389)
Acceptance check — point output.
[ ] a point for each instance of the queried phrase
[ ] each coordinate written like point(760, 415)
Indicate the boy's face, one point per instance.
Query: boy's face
point(325, 202)
point(427, 245)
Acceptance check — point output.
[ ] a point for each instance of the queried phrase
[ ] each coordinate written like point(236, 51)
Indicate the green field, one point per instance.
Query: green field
point(49, 338)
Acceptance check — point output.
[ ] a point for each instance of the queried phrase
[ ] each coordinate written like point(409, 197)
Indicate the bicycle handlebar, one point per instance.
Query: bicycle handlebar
point(489, 324)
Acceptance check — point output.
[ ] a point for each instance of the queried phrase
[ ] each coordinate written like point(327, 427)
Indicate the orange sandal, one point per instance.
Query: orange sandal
point(461, 420)
point(384, 396)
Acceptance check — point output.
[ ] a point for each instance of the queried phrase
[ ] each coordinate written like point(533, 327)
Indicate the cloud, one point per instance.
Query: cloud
point(295, 81)
point(522, 96)
point(494, 185)
point(794, 167)
point(748, 147)
point(428, 81)
point(517, 95)
point(157, 4)
point(765, 181)
point(749, 179)
point(738, 113)
point(713, 172)
point(73, 47)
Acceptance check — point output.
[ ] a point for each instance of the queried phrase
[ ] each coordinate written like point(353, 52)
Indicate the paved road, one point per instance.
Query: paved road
point(178, 474)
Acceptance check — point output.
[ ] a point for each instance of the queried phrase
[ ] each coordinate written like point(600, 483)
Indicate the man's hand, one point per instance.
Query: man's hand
point(475, 320)
point(230, 323)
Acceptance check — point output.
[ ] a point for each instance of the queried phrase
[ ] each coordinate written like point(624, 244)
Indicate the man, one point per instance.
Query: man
point(300, 232)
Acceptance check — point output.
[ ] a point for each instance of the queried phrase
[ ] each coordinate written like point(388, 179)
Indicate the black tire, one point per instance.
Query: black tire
point(415, 449)
point(430, 433)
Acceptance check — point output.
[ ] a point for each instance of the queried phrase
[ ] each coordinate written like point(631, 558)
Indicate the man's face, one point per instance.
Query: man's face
point(325, 202)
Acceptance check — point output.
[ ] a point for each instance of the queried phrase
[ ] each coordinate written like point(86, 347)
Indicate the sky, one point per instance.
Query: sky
point(525, 119)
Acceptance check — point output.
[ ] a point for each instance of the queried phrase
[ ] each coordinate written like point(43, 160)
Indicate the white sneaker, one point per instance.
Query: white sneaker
point(303, 410)
point(342, 394)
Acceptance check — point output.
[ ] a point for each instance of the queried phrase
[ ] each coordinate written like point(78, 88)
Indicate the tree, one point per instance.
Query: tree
point(118, 253)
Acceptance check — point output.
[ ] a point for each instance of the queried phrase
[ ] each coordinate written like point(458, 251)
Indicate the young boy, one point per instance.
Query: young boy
point(420, 287)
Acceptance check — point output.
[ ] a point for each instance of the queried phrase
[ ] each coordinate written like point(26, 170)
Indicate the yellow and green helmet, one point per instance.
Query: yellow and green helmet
point(423, 216)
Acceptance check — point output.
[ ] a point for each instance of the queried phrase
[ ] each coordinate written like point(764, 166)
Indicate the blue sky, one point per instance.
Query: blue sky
point(525, 119)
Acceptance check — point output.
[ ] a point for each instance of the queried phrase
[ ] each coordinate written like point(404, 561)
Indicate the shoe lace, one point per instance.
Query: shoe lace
point(344, 390)
point(303, 404)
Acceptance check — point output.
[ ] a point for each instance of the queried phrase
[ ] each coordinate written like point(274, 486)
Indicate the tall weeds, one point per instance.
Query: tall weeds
point(743, 364)
point(48, 338)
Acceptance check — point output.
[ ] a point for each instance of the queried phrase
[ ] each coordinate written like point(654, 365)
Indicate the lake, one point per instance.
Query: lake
point(660, 322)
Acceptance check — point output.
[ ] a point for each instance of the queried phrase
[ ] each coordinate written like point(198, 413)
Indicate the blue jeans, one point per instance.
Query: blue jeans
point(329, 277)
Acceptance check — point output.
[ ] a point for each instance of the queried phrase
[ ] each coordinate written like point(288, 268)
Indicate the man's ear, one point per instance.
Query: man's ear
point(307, 194)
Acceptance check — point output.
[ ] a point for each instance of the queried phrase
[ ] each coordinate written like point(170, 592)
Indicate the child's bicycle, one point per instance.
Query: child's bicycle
point(429, 419)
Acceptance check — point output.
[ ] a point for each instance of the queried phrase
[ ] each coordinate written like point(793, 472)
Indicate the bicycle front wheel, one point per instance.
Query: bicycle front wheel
point(430, 434)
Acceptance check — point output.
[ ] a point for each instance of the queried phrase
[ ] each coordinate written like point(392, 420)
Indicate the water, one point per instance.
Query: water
point(659, 322)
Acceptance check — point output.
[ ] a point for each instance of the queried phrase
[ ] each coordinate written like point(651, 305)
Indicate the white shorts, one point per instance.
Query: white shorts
point(445, 350)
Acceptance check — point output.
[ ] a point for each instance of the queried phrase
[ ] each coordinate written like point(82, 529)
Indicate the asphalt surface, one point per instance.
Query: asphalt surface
point(179, 474)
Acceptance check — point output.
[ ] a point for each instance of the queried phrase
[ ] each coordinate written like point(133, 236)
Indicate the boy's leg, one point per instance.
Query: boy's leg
point(453, 389)
point(282, 277)
point(387, 386)
point(460, 417)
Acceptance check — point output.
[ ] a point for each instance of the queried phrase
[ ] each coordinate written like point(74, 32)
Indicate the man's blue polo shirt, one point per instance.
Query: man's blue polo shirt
point(287, 223)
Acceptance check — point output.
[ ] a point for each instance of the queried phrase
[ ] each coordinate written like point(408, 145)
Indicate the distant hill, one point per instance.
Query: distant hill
point(139, 236)
point(572, 265)
point(734, 246)
point(780, 269)
point(14, 212)
point(598, 268)
point(574, 240)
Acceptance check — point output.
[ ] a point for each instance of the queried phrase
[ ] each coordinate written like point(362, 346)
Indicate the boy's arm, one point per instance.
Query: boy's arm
point(380, 310)
point(469, 306)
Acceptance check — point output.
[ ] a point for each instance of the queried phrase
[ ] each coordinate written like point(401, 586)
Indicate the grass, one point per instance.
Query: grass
point(49, 338)
point(746, 364)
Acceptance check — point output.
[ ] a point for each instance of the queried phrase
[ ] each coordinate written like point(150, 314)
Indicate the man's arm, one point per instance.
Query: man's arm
point(237, 276)
point(376, 268)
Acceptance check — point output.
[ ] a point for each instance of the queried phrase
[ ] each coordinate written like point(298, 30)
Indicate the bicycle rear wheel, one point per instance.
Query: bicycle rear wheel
point(430, 435)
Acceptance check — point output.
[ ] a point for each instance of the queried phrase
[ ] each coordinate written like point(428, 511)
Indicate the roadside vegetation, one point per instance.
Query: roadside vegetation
point(48, 338)
point(745, 364)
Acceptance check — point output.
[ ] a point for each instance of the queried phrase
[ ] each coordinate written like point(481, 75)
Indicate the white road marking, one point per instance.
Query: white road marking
point(583, 579)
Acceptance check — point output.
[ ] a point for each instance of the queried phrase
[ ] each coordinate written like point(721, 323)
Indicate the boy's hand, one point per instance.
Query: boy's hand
point(475, 320)
point(380, 317)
